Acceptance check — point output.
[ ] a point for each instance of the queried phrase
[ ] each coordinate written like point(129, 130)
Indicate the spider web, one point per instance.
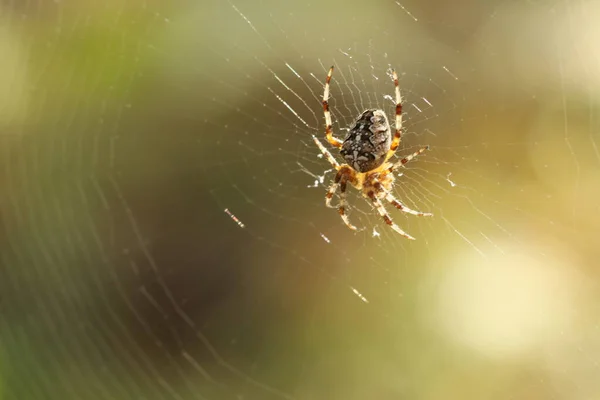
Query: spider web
point(165, 233)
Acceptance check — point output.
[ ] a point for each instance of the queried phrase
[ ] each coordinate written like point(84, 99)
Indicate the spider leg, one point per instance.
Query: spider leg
point(398, 133)
point(328, 130)
point(326, 153)
point(388, 220)
point(342, 205)
point(334, 186)
point(389, 197)
point(332, 189)
point(406, 159)
point(341, 181)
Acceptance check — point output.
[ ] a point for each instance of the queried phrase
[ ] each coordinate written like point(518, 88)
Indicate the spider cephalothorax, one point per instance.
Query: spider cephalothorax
point(367, 149)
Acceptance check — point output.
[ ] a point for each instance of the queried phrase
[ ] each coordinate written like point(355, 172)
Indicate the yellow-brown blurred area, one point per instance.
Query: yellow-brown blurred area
point(164, 228)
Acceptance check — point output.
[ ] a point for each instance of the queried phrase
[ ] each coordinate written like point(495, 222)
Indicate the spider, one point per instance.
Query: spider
point(367, 149)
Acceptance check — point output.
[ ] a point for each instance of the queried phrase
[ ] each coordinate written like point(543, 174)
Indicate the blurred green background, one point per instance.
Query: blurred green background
point(128, 128)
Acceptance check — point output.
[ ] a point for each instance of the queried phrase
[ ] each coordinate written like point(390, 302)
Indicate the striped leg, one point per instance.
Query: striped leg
point(332, 189)
point(388, 220)
point(407, 158)
point(342, 205)
point(336, 183)
point(326, 153)
point(398, 133)
point(389, 197)
point(341, 181)
point(328, 130)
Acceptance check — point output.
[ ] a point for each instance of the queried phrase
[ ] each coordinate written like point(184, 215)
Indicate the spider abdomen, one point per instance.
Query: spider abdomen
point(368, 141)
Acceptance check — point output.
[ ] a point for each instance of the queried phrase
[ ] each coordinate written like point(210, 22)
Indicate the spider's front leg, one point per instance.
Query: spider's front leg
point(387, 195)
point(342, 205)
point(388, 220)
point(332, 189)
point(341, 179)
point(396, 203)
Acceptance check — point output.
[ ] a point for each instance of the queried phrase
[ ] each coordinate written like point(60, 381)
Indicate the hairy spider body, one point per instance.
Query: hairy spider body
point(368, 141)
point(367, 149)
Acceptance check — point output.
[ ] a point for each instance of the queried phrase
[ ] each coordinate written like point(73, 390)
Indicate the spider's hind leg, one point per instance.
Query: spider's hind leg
point(326, 153)
point(328, 129)
point(408, 158)
point(398, 101)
